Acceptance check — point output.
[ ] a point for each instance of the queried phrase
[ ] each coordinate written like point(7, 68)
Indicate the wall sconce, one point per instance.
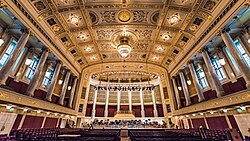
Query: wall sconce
point(179, 88)
point(222, 61)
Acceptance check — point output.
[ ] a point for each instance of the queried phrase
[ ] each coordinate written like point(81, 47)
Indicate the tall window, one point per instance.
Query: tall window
point(201, 77)
point(232, 60)
point(242, 52)
point(48, 77)
point(8, 53)
point(218, 69)
point(32, 68)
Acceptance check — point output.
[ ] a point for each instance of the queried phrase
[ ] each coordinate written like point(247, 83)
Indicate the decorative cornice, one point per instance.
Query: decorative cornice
point(229, 100)
point(19, 99)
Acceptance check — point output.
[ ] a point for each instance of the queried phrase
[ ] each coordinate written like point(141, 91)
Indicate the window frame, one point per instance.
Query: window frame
point(219, 70)
point(13, 41)
point(32, 68)
point(244, 56)
point(49, 78)
point(201, 79)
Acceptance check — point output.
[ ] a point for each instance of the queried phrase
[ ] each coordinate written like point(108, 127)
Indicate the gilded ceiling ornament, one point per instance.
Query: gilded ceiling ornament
point(55, 28)
point(124, 16)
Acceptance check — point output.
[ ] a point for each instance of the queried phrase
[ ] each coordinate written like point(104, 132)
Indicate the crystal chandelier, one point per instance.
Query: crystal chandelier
point(124, 48)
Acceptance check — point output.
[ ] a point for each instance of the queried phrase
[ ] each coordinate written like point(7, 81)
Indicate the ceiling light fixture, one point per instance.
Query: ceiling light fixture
point(155, 58)
point(124, 48)
point(73, 19)
point(93, 58)
point(88, 49)
point(166, 36)
point(211, 112)
point(174, 19)
point(25, 109)
point(82, 37)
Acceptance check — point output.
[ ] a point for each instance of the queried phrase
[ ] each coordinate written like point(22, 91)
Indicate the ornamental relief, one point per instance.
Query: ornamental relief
point(106, 46)
point(140, 16)
point(108, 17)
point(144, 34)
point(104, 34)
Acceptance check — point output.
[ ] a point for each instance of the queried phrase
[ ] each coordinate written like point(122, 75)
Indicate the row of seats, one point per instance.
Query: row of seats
point(69, 134)
point(77, 134)
point(176, 135)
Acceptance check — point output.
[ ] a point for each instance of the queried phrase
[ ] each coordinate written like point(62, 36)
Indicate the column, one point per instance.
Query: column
point(185, 88)
point(142, 103)
point(130, 99)
point(171, 94)
point(22, 67)
point(106, 102)
point(94, 103)
point(163, 100)
point(177, 94)
point(42, 75)
point(154, 102)
point(72, 93)
point(196, 82)
point(118, 100)
point(7, 40)
point(6, 70)
point(35, 79)
point(215, 81)
point(21, 62)
point(22, 121)
point(64, 88)
point(244, 69)
point(44, 119)
point(227, 66)
point(228, 122)
point(53, 81)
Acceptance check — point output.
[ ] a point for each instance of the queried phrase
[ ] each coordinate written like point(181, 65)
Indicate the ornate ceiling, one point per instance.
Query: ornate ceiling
point(89, 30)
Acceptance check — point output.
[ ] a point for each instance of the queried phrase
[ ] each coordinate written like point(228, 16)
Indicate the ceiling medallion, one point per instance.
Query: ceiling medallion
point(174, 19)
point(193, 28)
point(124, 16)
point(55, 28)
point(124, 48)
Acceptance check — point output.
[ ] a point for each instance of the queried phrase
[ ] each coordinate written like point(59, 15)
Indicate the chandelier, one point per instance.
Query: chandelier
point(124, 48)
